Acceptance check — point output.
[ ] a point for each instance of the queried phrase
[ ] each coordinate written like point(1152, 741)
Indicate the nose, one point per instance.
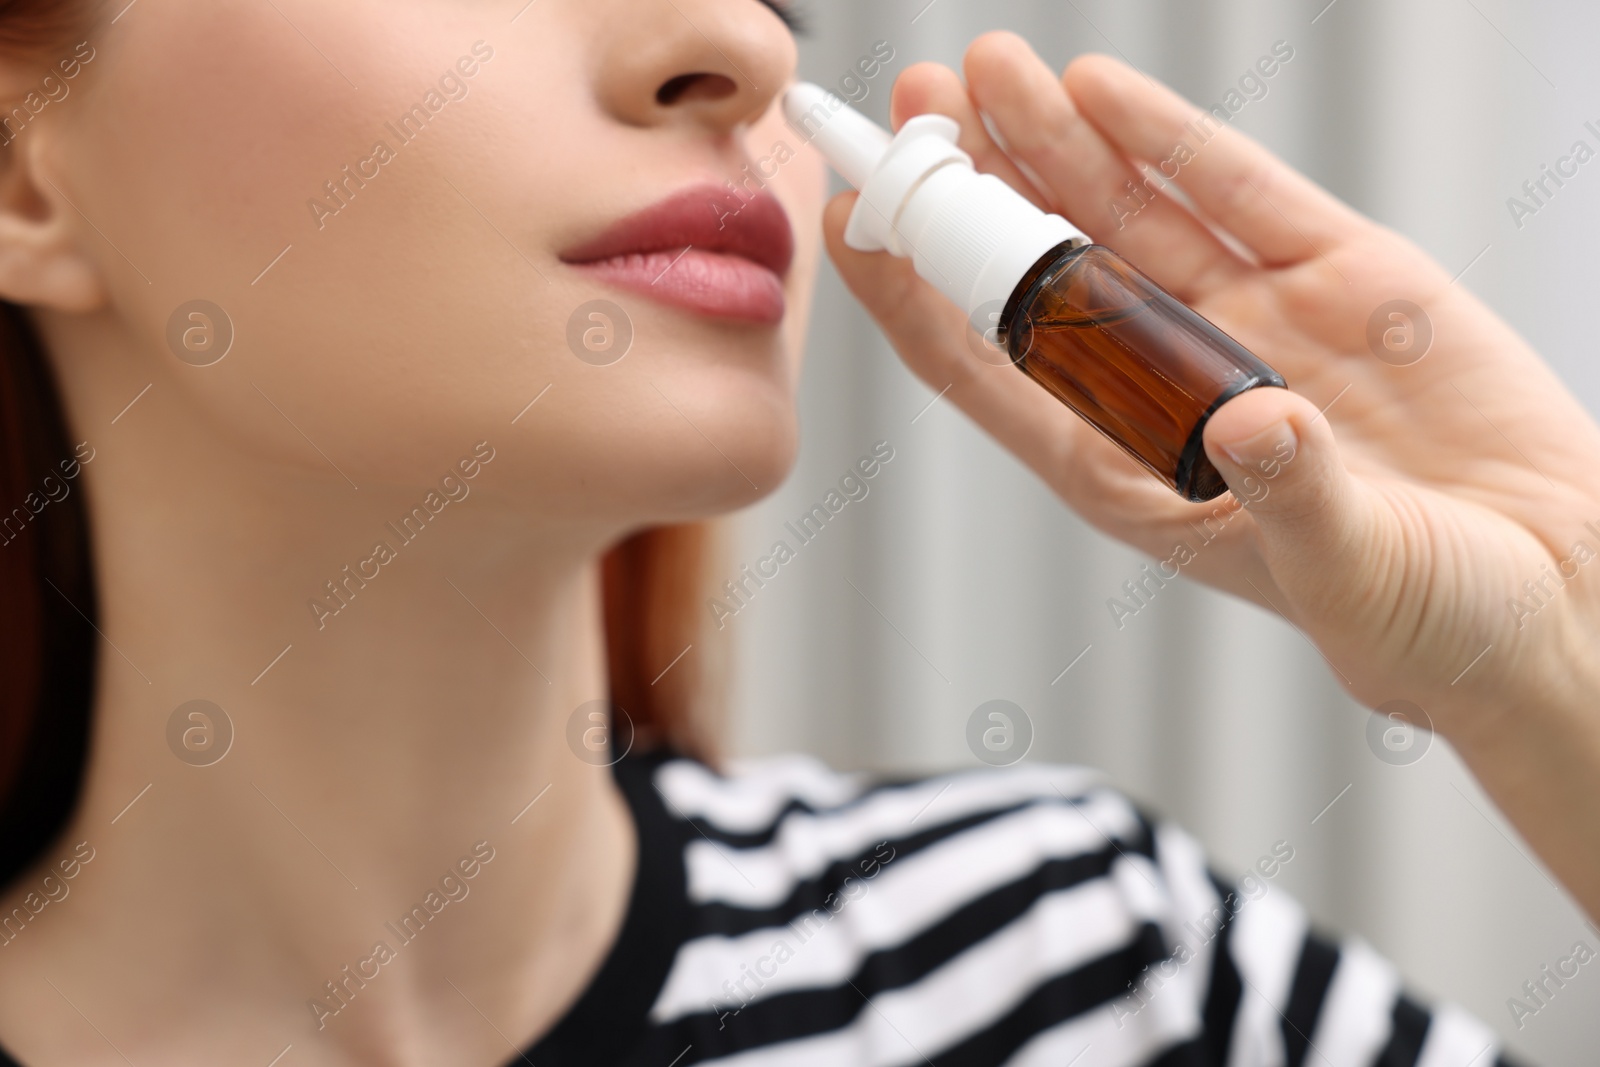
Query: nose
point(711, 64)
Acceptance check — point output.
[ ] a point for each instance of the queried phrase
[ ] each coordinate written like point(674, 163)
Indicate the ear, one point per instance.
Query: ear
point(43, 257)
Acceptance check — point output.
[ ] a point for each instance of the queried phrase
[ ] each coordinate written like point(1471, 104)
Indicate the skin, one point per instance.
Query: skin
point(383, 746)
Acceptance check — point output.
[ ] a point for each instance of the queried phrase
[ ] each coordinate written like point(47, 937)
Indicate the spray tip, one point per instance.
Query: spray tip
point(850, 141)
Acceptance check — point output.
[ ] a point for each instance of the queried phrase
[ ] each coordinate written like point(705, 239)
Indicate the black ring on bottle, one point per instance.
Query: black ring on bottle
point(1194, 447)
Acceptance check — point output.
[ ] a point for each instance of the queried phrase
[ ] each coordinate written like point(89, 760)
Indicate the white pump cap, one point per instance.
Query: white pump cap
point(971, 235)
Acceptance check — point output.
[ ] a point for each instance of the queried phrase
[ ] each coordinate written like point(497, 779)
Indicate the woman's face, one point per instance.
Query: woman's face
point(390, 202)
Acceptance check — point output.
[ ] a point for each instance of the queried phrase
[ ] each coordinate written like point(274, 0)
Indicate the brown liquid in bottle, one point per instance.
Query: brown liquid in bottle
point(1140, 365)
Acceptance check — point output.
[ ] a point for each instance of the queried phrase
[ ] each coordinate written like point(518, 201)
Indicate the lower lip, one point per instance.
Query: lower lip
point(707, 283)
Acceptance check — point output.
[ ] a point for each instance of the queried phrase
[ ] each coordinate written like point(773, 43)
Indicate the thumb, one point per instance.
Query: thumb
point(1316, 521)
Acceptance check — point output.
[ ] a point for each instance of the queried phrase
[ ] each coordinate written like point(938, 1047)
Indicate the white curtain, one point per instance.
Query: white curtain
point(959, 579)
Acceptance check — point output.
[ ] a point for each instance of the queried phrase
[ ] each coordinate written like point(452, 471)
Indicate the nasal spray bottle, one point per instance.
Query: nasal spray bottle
point(1142, 367)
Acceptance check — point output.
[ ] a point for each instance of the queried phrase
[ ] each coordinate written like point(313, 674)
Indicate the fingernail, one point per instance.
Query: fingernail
point(1277, 442)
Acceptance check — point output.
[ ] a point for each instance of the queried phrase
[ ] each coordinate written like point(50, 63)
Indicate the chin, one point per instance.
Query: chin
point(692, 480)
point(728, 405)
point(755, 452)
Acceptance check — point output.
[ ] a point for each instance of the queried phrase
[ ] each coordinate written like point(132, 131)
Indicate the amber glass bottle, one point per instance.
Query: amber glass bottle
point(1140, 365)
point(1108, 342)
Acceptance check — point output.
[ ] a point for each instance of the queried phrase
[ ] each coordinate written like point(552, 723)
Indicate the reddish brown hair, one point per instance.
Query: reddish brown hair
point(666, 665)
point(654, 614)
point(27, 26)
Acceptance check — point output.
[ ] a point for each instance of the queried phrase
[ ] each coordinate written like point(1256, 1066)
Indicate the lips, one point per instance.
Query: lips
point(704, 249)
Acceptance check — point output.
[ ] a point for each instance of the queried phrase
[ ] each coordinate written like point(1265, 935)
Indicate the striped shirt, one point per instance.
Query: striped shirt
point(786, 915)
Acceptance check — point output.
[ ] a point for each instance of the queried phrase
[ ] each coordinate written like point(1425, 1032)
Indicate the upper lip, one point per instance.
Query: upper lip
point(705, 216)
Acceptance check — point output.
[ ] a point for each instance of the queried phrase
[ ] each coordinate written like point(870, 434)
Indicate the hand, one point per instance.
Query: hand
point(1418, 500)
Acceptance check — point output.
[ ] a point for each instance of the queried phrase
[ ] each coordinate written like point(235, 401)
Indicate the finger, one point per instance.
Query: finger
point(1089, 180)
point(1315, 521)
point(932, 88)
point(1278, 213)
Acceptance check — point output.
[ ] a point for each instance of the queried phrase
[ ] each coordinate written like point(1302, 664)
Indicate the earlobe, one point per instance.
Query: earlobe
point(42, 260)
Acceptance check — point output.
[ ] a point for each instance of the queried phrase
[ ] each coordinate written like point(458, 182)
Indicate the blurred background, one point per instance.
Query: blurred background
point(960, 579)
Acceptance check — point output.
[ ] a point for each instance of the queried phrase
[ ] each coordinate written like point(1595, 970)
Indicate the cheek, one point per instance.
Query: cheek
point(218, 120)
point(215, 124)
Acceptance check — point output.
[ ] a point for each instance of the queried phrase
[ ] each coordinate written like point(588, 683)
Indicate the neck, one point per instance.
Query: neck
point(392, 714)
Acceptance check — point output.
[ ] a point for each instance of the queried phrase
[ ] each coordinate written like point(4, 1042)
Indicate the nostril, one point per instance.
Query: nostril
point(690, 87)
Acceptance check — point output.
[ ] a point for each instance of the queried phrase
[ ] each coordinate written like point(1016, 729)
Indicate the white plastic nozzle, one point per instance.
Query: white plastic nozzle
point(849, 140)
point(971, 235)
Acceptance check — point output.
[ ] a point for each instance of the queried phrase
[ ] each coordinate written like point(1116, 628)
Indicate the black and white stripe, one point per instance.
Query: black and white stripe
point(1027, 916)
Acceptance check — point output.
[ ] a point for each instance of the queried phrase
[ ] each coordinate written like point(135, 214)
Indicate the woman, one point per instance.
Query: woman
point(344, 509)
